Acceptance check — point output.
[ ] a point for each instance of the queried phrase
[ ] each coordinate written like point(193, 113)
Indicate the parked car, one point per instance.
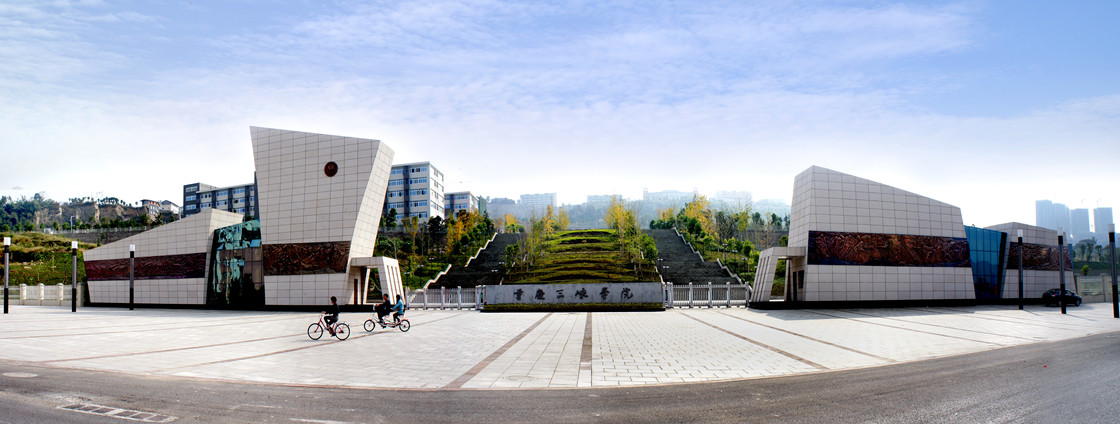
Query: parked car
point(1050, 298)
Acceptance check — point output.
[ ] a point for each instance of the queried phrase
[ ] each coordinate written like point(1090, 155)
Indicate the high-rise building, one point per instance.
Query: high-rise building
point(415, 189)
point(537, 203)
point(1102, 218)
point(1079, 224)
point(1052, 215)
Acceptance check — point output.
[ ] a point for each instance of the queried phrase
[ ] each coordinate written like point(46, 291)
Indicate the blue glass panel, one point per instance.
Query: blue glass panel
point(986, 254)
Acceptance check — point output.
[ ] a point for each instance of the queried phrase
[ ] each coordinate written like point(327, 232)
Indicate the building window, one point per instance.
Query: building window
point(393, 183)
point(239, 190)
point(397, 171)
point(418, 203)
point(398, 193)
point(240, 210)
point(220, 203)
point(191, 189)
point(417, 191)
point(204, 205)
point(418, 169)
point(204, 196)
point(190, 198)
point(420, 180)
point(190, 207)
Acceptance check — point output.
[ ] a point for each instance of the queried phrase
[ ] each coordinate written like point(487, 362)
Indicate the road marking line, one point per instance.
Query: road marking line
point(764, 345)
point(881, 358)
point(477, 368)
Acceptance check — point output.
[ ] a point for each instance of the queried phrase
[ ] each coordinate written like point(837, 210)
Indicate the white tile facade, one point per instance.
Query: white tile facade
point(299, 203)
point(826, 200)
point(1035, 282)
point(193, 234)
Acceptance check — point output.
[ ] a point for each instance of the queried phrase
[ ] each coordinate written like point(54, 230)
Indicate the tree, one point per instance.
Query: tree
point(412, 226)
point(1085, 270)
point(390, 220)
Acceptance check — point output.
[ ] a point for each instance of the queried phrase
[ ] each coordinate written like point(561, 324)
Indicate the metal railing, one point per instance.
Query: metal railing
point(445, 298)
point(709, 295)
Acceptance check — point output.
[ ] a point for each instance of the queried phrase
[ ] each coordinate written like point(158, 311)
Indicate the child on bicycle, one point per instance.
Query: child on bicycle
point(331, 316)
point(398, 310)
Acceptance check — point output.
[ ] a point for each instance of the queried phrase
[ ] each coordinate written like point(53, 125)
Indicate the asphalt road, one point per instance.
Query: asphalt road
point(1075, 381)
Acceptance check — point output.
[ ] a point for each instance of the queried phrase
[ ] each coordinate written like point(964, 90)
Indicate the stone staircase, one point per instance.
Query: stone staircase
point(679, 265)
point(481, 270)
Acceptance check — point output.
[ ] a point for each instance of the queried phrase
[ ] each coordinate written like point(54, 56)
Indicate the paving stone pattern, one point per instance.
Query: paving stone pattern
point(453, 349)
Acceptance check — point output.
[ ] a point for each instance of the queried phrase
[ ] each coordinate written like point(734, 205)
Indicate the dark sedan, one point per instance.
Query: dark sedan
point(1050, 298)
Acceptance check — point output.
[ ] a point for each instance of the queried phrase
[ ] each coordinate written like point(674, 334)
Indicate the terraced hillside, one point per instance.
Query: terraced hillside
point(583, 256)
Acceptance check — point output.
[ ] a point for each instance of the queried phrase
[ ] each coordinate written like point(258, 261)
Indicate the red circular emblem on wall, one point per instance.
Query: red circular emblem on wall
point(330, 169)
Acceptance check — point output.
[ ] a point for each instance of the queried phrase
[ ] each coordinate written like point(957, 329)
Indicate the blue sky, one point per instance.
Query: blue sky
point(987, 105)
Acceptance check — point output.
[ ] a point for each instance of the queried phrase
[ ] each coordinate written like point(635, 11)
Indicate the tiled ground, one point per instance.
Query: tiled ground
point(471, 350)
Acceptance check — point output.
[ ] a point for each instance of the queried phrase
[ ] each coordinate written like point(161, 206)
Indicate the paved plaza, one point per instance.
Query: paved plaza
point(453, 349)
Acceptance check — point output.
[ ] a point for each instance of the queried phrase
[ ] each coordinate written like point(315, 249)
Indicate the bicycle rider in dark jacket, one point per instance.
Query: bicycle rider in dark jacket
point(383, 309)
point(332, 314)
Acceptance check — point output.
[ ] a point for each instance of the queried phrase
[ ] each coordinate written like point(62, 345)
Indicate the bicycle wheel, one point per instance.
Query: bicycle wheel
point(404, 325)
point(315, 331)
point(342, 331)
point(369, 325)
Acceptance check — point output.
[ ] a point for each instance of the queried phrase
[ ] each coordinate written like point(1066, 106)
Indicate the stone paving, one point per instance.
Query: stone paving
point(454, 349)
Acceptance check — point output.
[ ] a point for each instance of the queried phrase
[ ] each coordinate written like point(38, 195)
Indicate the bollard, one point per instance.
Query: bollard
point(709, 294)
point(728, 294)
point(459, 298)
point(442, 296)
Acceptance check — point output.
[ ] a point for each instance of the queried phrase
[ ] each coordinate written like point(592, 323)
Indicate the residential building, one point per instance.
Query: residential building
point(537, 204)
point(415, 189)
point(1079, 225)
point(169, 206)
point(241, 199)
point(150, 207)
point(1102, 218)
point(460, 201)
point(1052, 215)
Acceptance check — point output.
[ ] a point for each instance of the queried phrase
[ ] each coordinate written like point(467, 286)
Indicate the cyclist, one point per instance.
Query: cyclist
point(398, 310)
point(332, 314)
point(383, 309)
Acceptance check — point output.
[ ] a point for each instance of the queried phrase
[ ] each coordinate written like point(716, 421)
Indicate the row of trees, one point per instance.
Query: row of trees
point(426, 247)
point(739, 232)
point(529, 249)
point(1087, 250)
point(636, 247)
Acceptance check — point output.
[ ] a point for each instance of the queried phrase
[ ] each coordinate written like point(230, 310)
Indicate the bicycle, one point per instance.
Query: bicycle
point(341, 329)
point(401, 324)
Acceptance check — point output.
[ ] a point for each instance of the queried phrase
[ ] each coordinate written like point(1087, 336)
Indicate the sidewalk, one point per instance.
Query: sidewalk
point(470, 350)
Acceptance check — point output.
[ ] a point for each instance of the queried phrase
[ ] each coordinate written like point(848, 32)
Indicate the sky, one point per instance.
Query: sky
point(985, 105)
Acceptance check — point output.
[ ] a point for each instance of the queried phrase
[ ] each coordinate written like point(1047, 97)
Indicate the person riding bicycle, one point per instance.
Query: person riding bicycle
point(398, 310)
point(331, 316)
point(383, 309)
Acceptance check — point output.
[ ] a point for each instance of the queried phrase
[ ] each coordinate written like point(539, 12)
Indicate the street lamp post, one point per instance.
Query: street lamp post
point(7, 246)
point(1062, 270)
point(1112, 263)
point(1020, 234)
point(74, 276)
point(131, 276)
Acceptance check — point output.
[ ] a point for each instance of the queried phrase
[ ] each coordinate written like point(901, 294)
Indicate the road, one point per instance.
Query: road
point(1070, 381)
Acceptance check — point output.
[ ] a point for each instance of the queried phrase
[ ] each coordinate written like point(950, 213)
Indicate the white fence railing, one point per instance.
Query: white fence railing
point(707, 295)
point(445, 298)
point(676, 296)
point(57, 294)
